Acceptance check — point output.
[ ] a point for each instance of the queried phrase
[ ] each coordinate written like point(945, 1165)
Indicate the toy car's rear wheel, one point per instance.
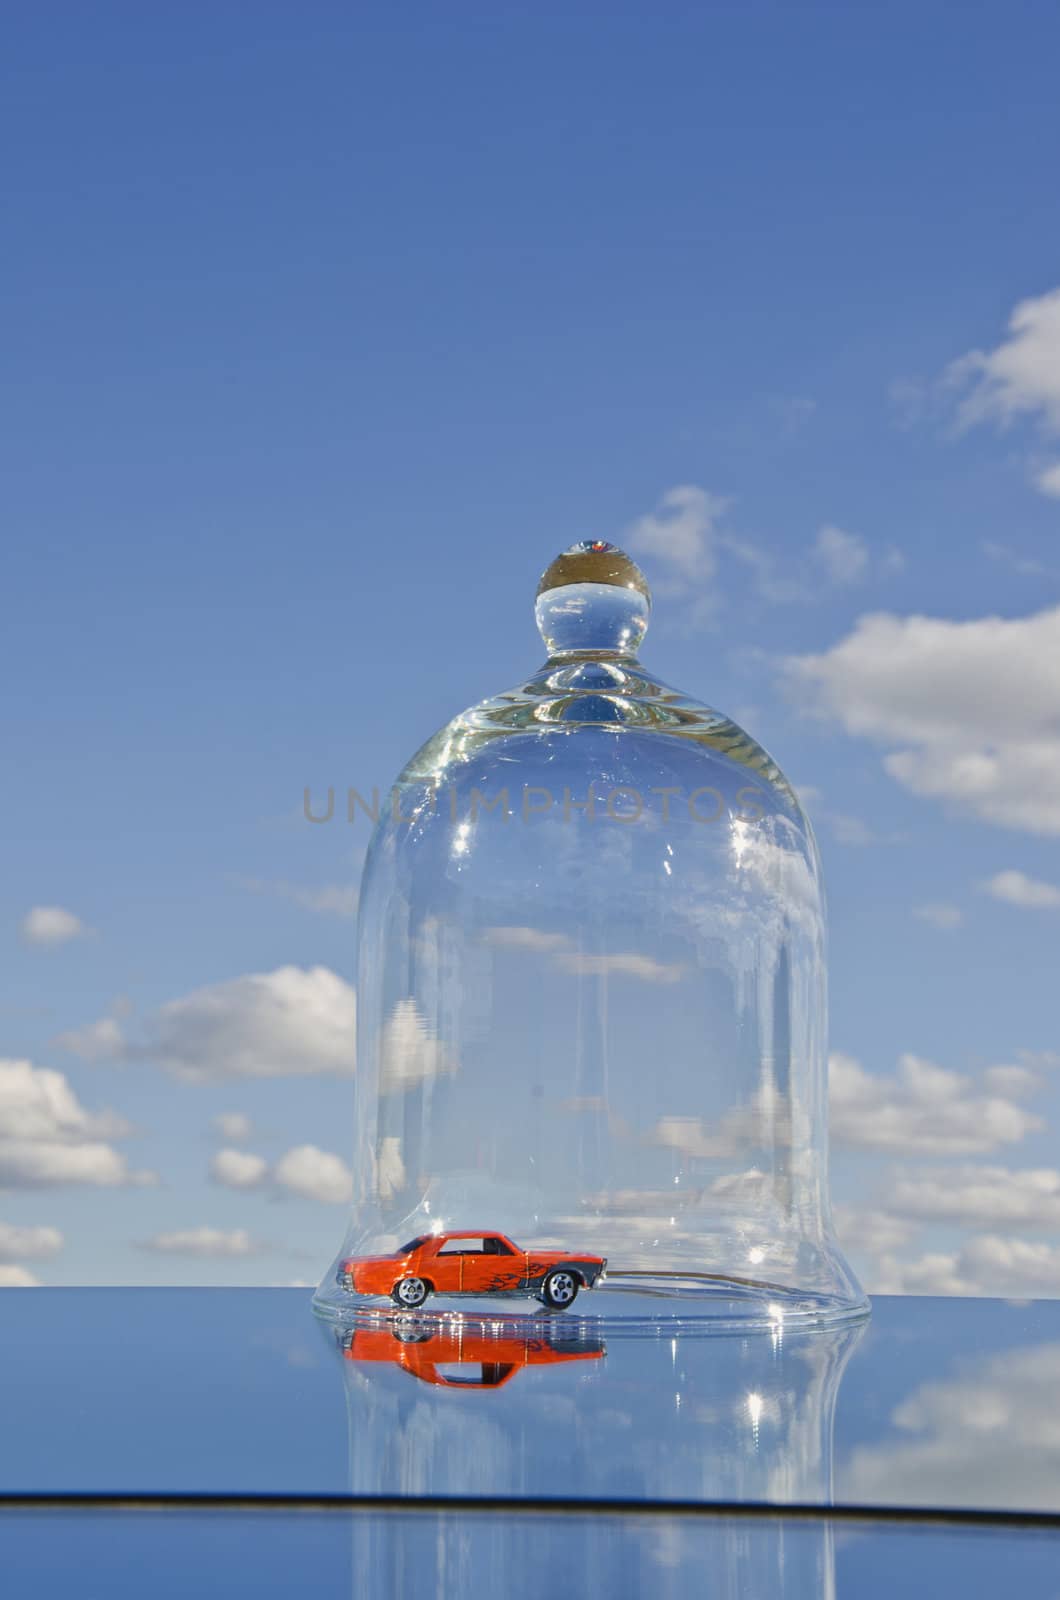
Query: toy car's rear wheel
point(559, 1289)
point(410, 1292)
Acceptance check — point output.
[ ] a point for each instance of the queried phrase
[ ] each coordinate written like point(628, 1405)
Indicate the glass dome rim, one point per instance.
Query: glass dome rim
point(694, 723)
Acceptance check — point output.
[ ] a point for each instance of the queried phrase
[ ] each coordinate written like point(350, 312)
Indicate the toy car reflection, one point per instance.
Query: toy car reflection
point(458, 1358)
point(471, 1264)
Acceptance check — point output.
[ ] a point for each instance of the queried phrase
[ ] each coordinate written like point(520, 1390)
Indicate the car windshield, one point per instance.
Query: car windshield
point(413, 1244)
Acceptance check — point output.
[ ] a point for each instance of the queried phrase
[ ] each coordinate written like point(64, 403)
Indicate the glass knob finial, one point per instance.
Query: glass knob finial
point(593, 600)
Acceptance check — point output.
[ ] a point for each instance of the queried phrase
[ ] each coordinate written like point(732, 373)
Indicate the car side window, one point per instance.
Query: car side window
point(487, 1245)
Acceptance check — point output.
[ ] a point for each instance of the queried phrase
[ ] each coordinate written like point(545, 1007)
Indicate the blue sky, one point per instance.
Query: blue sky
point(324, 331)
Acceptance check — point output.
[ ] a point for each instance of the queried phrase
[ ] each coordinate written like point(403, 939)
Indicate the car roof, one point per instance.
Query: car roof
point(470, 1233)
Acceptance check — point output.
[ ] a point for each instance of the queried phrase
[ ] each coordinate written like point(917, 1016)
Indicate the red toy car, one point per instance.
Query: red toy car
point(455, 1358)
point(471, 1264)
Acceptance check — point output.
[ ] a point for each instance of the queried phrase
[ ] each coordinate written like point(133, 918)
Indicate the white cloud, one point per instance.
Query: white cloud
point(238, 1169)
point(684, 538)
point(95, 1041)
point(761, 1122)
point(1040, 1060)
point(51, 925)
point(1020, 376)
point(679, 534)
point(985, 1265)
point(565, 954)
point(203, 1242)
point(626, 964)
point(390, 1175)
point(334, 899)
point(922, 1110)
point(233, 1125)
point(28, 1244)
point(872, 1232)
point(979, 1196)
point(25, 1165)
point(1012, 1266)
point(38, 1103)
point(315, 1175)
point(985, 1434)
point(846, 829)
point(913, 401)
point(410, 1052)
point(337, 899)
point(533, 939)
point(17, 1278)
point(972, 707)
point(961, 1196)
point(1012, 1080)
point(844, 557)
point(934, 1273)
point(1018, 890)
point(305, 1170)
point(939, 915)
point(1026, 566)
point(692, 1138)
point(774, 587)
point(289, 1022)
point(840, 558)
point(47, 1136)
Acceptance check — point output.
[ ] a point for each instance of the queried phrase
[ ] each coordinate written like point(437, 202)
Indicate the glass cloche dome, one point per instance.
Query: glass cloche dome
point(591, 978)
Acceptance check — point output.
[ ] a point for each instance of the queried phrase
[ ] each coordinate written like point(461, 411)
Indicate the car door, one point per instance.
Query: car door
point(492, 1265)
point(442, 1266)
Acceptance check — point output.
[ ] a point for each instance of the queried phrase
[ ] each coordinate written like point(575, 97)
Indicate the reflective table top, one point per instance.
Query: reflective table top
point(932, 1403)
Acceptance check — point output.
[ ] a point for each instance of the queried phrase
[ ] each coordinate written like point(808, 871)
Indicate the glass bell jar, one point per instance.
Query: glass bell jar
point(592, 1036)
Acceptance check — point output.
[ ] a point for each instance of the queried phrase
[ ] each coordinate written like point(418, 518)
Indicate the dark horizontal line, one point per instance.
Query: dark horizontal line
point(700, 1277)
point(475, 1505)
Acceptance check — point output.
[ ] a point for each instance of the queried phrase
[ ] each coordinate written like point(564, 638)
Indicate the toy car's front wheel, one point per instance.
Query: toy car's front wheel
point(410, 1292)
point(559, 1289)
point(407, 1330)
